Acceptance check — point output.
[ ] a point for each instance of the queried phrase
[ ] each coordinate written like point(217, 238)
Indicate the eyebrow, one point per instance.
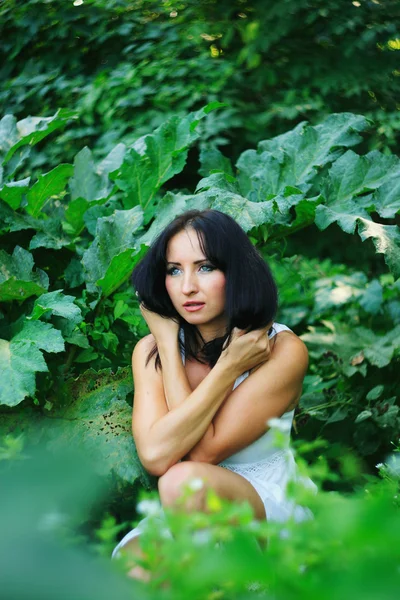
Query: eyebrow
point(196, 262)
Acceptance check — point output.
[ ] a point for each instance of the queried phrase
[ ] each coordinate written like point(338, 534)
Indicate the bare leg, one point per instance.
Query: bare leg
point(132, 552)
point(226, 484)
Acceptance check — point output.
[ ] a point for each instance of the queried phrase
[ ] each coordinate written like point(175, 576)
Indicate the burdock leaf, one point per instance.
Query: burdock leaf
point(153, 159)
point(352, 175)
point(49, 235)
point(58, 304)
point(294, 158)
point(30, 131)
point(94, 410)
point(12, 192)
point(110, 259)
point(386, 199)
point(13, 221)
point(90, 185)
point(18, 281)
point(48, 185)
point(21, 358)
point(345, 214)
point(386, 239)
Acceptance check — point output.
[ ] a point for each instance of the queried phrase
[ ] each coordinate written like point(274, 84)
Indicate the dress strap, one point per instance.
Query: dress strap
point(277, 328)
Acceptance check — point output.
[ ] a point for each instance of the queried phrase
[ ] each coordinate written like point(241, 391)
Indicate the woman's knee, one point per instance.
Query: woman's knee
point(179, 477)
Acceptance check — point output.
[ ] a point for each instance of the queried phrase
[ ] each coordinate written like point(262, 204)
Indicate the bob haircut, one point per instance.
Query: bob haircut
point(251, 293)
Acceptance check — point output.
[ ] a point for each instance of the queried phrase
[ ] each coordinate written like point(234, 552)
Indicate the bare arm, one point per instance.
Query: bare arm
point(176, 384)
point(164, 436)
point(274, 388)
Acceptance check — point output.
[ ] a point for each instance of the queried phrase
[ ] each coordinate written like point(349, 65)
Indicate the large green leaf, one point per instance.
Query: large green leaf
point(386, 199)
point(10, 220)
point(354, 346)
point(352, 175)
point(58, 304)
point(49, 234)
point(17, 278)
point(21, 358)
point(47, 185)
point(13, 192)
point(345, 214)
point(30, 131)
point(90, 185)
point(171, 206)
point(212, 160)
point(294, 158)
point(110, 259)
point(92, 412)
point(155, 158)
point(386, 239)
point(310, 146)
point(247, 214)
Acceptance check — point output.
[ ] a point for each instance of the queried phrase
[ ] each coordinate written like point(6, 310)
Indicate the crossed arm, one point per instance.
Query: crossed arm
point(170, 421)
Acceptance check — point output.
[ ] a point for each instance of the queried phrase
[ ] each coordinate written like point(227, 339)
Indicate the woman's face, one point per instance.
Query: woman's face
point(196, 288)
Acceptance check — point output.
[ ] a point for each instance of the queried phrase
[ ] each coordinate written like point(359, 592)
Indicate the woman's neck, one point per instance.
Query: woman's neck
point(210, 332)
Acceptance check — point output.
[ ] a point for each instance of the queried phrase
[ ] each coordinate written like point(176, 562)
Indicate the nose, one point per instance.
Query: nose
point(189, 284)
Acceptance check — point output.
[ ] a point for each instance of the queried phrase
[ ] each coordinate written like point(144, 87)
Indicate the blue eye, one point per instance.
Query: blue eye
point(171, 270)
point(208, 268)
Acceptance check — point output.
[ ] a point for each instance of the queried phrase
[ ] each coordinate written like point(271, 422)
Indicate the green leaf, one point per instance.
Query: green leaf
point(372, 298)
point(18, 362)
point(90, 185)
point(386, 199)
point(345, 214)
point(13, 221)
point(41, 335)
point(352, 175)
point(170, 206)
point(294, 158)
point(86, 182)
point(74, 275)
point(12, 192)
point(30, 131)
point(94, 410)
point(48, 185)
point(17, 279)
point(354, 345)
point(247, 214)
point(153, 159)
point(56, 303)
point(21, 358)
point(363, 415)
point(112, 255)
point(386, 239)
point(222, 181)
point(49, 235)
point(376, 392)
point(212, 160)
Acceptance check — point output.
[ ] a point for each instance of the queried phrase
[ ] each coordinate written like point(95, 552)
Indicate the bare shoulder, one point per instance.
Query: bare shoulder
point(289, 345)
point(142, 349)
point(289, 357)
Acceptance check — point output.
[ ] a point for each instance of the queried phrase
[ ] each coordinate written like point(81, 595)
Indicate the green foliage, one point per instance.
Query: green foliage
point(81, 230)
point(131, 66)
point(48, 502)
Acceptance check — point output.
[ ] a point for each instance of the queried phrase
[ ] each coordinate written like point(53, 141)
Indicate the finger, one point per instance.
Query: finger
point(238, 332)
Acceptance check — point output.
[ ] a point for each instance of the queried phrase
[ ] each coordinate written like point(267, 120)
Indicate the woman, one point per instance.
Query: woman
point(214, 370)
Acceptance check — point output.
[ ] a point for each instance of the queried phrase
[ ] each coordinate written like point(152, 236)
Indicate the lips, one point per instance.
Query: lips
point(193, 303)
point(193, 306)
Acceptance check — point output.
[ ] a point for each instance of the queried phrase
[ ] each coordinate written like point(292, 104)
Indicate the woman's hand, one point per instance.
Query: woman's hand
point(247, 350)
point(164, 330)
